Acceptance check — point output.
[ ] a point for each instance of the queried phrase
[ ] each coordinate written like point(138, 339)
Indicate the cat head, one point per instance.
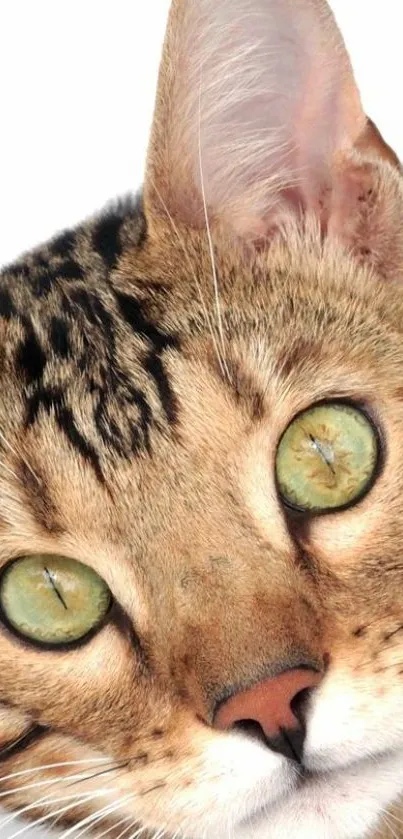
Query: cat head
point(201, 471)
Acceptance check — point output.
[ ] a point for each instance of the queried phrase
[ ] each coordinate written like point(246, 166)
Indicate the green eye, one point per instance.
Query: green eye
point(326, 458)
point(52, 599)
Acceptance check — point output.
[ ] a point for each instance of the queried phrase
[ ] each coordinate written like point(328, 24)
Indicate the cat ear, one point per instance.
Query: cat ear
point(256, 100)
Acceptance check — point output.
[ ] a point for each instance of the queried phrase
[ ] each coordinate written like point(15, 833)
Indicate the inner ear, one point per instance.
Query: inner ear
point(254, 99)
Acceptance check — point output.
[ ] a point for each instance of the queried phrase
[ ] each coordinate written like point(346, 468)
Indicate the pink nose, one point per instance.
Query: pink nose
point(272, 705)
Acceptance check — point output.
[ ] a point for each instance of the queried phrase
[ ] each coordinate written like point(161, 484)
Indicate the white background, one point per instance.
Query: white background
point(77, 82)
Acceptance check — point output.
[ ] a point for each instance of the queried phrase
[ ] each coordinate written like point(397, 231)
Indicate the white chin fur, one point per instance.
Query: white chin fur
point(344, 805)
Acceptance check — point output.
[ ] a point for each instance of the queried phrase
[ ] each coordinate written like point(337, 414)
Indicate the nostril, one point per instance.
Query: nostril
point(253, 729)
point(288, 742)
point(272, 712)
point(299, 705)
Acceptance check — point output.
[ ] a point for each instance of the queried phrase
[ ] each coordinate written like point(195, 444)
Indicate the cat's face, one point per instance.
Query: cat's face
point(227, 656)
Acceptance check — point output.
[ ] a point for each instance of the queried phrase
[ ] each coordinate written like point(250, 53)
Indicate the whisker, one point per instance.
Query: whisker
point(114, 827)
point(129, 827)
point(47, 799)
point(72, 778)
point(111, 808)
point(33, 735)
point(81, 799)
point(102, 772)
point(89, 822)
point(393, 816)
point(10, 472)
point(211, 248)
point(389, 826)
point(137, 833)
point(193, 271)
point(19, 456)
point(53, 766)
point(95, 816)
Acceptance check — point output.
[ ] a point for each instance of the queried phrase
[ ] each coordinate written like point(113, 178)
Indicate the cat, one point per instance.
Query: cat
point(201, 432)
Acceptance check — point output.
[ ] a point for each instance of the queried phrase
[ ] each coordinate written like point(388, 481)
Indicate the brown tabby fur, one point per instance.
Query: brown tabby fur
point(136, 440)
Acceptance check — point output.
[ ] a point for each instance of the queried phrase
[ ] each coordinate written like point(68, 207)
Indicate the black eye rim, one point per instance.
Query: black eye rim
point(369, 414)
point(110, 615)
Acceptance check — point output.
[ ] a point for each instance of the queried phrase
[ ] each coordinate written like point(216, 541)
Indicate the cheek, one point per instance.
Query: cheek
point(211, 782)
point(92, 690)
point(347, 808)
point(346, 538)
point(362, 696)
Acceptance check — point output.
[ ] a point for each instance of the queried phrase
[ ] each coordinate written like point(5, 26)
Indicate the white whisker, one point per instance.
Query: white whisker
point(114, 827)
point(71, 779)
point(193, 271)
point(137, 833)
point(58, 765)
point(388, 815)
point(211, 248)
point(90, 821)
point(389, 826)
point(129, 827)
point(10, 471)
point(83, 798)
point(111, 808)
point(46, 799)
point(19, 456)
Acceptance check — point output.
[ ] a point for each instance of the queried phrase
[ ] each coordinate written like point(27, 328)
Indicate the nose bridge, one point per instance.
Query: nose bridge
point(246, 611)
point(256, 648)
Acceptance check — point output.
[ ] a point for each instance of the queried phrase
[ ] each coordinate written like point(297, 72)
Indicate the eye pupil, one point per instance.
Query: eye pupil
point(324, 450)
point(51, 579)
point(326, 458)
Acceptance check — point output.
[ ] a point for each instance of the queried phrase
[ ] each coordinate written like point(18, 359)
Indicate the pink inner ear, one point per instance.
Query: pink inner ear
point(256, 95)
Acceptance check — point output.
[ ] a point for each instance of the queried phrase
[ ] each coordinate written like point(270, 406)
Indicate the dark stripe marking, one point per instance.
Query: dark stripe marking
point(66, 423)
point(106, 239)
point(7, 308)
point(137, 398)
point(124, 625)
point(42, 275)
point(59, 337)
point(94, 310)
point(167, 396)
point(41, 285)
point(45, 398)
point(131, 311)
point(30, 358)
point(48, 400)
point(17, 270)
point(64, 243)
point(99, 316)
point(41, 278)
point(68, 270)
point(21, 743)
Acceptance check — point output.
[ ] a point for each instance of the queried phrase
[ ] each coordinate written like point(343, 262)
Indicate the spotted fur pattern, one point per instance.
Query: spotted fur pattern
point(140, 415)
